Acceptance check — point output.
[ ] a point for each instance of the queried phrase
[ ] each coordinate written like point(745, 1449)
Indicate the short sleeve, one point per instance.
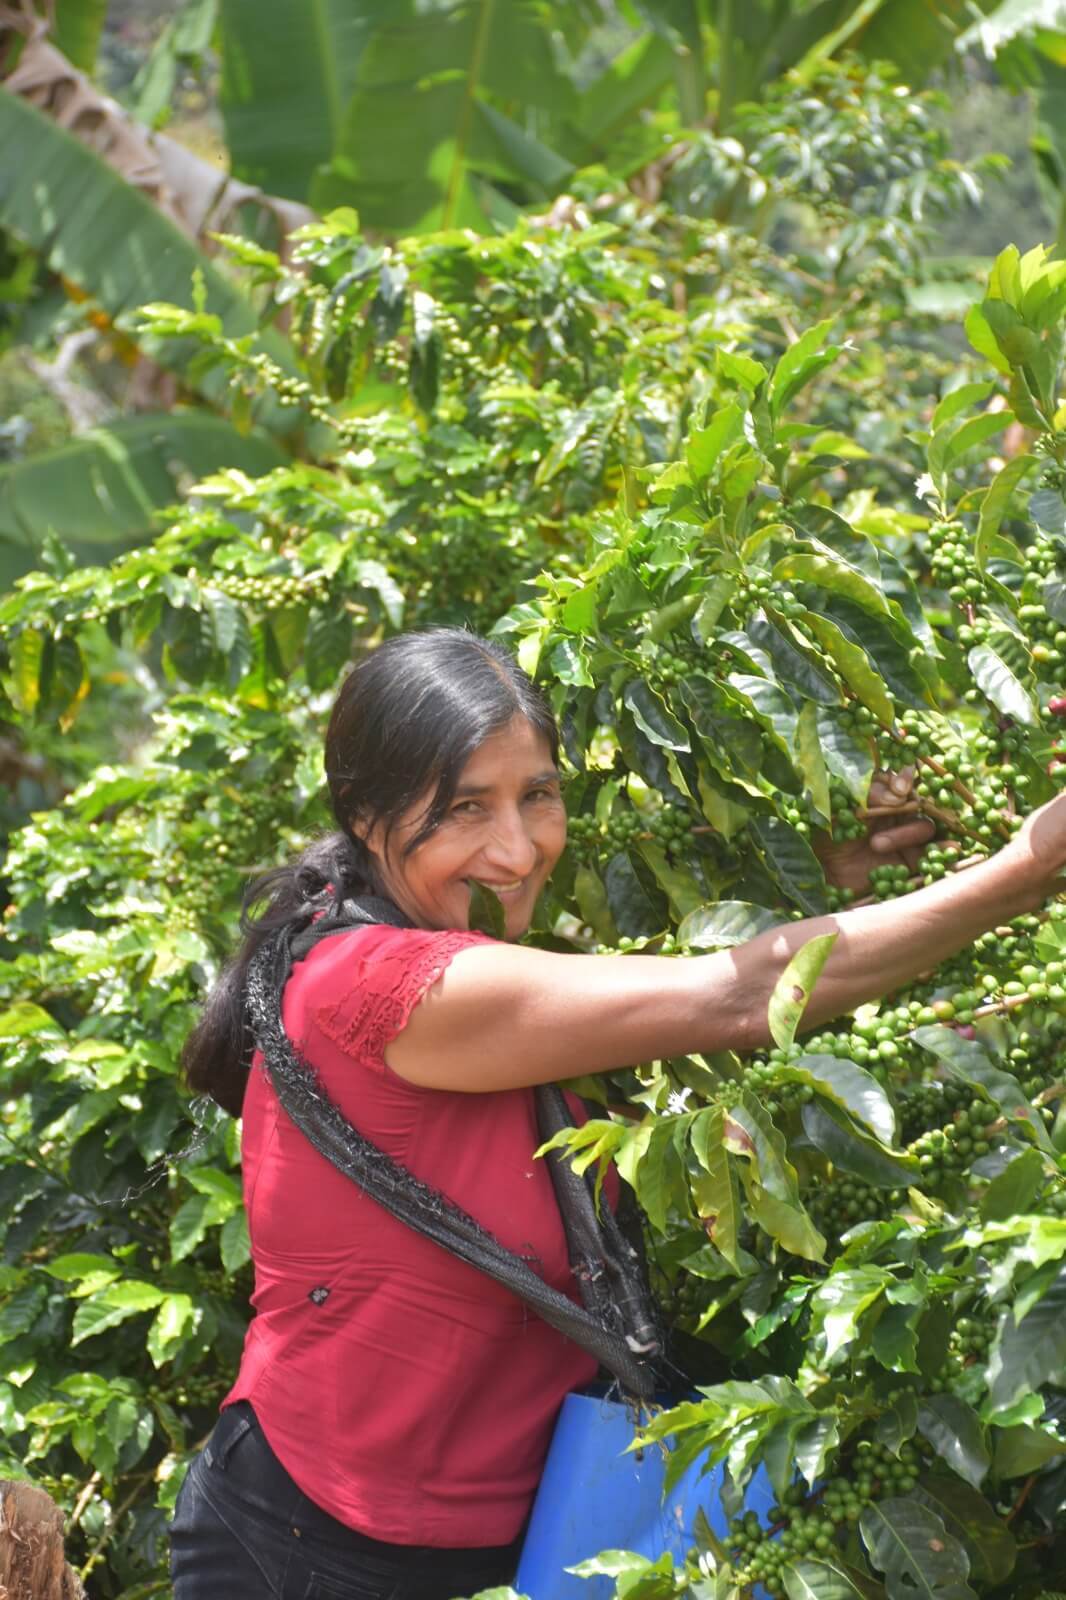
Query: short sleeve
point(377, 987)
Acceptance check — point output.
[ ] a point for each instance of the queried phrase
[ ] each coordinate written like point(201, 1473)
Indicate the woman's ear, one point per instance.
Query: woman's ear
point(367, 834)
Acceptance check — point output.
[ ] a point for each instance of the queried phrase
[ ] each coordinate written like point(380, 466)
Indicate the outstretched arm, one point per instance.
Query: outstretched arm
point(503, 1016)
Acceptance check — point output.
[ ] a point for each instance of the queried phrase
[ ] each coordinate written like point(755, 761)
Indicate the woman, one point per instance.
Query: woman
point(389, 1423)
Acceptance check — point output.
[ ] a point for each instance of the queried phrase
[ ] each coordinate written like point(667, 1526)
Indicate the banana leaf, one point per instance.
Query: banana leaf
point(439, 122)
point(102, 492)
point(76, 30)
point(287, 78)
point(107, 238)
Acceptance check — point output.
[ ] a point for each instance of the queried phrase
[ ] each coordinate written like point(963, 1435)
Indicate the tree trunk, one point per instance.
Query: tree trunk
point(32, 1562)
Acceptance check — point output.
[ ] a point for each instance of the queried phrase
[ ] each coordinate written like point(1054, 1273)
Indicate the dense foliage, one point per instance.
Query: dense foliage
point(744, 608)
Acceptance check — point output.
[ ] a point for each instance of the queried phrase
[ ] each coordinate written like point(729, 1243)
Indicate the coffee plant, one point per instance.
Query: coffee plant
point(863, 1227)
point(699, 526)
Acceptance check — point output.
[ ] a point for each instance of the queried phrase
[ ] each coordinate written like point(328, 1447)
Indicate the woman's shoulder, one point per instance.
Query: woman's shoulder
point(359, 987)
point(378, 953)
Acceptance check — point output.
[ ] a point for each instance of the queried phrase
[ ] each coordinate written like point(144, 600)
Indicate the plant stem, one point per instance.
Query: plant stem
point(462, 133)
point(83, 1500)
point(1022, 1497)
point(120, 1510)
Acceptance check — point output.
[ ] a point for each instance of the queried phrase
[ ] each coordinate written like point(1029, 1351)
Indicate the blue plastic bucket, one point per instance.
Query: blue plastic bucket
point(595, 1497)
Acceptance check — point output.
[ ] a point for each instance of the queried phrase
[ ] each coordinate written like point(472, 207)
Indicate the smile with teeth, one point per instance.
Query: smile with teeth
point(500, 888)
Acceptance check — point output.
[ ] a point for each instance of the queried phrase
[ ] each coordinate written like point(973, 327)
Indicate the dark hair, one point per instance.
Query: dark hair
point(406, 721)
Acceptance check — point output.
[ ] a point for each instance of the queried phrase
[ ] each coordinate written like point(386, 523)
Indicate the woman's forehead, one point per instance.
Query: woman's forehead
point(516, 749)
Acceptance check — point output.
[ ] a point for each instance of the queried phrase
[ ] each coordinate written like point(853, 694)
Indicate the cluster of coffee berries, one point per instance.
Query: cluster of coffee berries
point(669, 825)
point(816, 1524)
point(271, 591)
point(845, 822)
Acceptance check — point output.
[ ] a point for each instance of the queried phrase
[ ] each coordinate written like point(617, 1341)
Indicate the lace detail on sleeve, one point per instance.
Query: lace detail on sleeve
point(403, 965)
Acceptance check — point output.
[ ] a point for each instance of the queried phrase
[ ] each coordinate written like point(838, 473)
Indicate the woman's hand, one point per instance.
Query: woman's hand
point(1039, 847)
point(895, 834)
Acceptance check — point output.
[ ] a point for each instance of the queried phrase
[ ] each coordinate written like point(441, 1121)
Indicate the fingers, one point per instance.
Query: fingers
point(903, 835)
point(891, 788)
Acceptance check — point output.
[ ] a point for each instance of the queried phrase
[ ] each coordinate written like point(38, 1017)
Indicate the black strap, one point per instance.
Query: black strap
point(615, 1323)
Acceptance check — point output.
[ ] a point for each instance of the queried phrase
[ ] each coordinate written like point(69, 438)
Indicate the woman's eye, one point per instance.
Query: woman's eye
point(465, 808)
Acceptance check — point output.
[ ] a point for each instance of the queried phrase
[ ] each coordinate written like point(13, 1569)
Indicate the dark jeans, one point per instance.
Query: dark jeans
point(242, 1530)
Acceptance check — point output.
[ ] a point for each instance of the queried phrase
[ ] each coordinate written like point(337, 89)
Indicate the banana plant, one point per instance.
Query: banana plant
point(116, 213)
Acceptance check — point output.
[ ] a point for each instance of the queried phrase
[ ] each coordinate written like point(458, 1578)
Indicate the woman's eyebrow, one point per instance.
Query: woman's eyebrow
point(465, 790)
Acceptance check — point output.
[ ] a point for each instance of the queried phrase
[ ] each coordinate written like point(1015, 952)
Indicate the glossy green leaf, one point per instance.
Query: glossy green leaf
point(802, 361)
point(793, 989)
point(840, 1303)
point(834, 576)
point(996, 504)
point(970, 1519)
point(970, 436)
point(1048, 510)
point(793, 664)
point(707, 445)
point(486, 913)
point(812, 762)
point(996, 680)
point(1014, 1188)
point(847, 756)
point(849, 1086)
point(920, 1559)
point(675, 880)
point(791, 862)
point(809, 1579)
point(854, 1151)
point(984, 341)
point(749, 1131)
point(955, 1432)
point(653, 718)
point(894, 1339)
point(787, 1222)
point(967, 1060)
point(234, 1245)
point(660, 1178)
point(727, 923)
point(893, 650)
point(638, 906)
point(716, 1192)
point(189, 1225)
point(111, 1306)
point(1028, 1354)
point(854, 667)
point(958, 400)
point(175, 1316)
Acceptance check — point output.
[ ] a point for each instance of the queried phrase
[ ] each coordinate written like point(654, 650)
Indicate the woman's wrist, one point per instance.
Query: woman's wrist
point(1031, 880)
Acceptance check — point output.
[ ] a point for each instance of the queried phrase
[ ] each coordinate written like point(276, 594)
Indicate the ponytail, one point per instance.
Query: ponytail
point(217, 1055)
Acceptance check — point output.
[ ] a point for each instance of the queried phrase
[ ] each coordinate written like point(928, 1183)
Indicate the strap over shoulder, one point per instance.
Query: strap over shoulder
point(616, 1323)
point(341, 917)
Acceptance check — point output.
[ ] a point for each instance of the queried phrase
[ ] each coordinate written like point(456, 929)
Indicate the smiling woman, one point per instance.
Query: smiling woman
point(390, 1419)
point(505, 828)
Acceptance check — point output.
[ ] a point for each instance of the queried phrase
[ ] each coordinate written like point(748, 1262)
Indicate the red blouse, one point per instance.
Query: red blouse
point(405, 1392)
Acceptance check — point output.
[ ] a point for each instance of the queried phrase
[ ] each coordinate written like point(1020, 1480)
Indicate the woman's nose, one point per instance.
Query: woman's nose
point(511, 846)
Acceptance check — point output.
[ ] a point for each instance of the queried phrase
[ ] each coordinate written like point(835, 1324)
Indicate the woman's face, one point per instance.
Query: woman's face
point(505, 828)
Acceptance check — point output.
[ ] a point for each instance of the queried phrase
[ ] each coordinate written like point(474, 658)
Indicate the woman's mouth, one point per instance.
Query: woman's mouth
point(499, 889)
